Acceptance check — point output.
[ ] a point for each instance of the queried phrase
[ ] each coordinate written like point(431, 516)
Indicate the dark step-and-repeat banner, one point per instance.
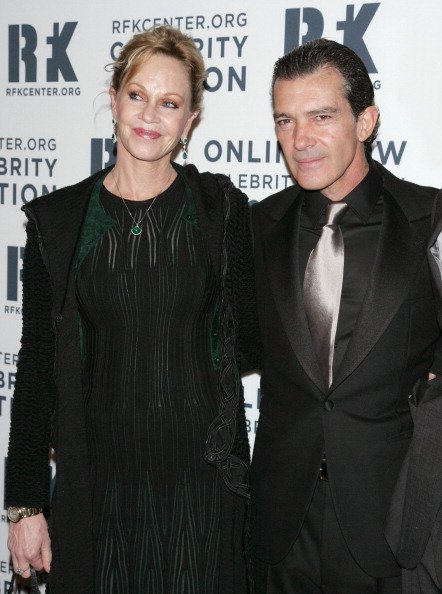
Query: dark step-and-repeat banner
point(56, 123)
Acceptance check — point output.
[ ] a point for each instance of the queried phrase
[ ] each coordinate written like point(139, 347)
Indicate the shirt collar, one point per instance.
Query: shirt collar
point(362, 199)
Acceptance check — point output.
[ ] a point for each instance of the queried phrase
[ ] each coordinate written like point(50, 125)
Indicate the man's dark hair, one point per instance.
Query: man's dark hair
point(320, 53)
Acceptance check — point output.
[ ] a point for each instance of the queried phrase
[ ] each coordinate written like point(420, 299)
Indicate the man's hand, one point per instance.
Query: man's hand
point(29, 544)
point(431, 376)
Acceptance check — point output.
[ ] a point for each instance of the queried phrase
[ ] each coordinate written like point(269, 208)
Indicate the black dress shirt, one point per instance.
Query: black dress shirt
point(360, 227)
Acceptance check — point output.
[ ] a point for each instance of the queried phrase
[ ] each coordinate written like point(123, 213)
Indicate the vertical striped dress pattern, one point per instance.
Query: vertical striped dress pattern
point(147, 308)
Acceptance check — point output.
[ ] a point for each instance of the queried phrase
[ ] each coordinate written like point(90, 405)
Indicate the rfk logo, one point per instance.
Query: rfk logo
point(15, 254)
point(354, 28)
point(23, 41)
point(102, 153)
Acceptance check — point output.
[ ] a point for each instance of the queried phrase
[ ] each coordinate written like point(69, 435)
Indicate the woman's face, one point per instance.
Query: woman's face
point(153, 110)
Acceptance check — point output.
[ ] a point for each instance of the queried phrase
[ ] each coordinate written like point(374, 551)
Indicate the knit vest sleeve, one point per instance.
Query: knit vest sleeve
point(240, 286)
point(241, 279)
point(27, 472)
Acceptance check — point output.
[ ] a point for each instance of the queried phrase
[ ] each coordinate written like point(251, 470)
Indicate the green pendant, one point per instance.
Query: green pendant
point(184, 155)
point(136, 230)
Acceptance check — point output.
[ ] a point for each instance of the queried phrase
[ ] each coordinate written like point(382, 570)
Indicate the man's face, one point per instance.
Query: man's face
point(321, 139)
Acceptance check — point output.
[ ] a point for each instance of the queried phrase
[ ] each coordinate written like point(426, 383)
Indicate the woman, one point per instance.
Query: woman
point(137, 313)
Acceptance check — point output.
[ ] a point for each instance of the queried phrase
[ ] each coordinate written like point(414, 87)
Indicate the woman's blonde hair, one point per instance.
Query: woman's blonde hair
point(161, 40)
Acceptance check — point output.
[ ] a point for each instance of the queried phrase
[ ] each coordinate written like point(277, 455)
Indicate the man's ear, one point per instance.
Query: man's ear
point(367, 121)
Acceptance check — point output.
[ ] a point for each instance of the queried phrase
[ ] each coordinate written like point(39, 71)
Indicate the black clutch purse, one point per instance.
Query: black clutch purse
point(32, 582)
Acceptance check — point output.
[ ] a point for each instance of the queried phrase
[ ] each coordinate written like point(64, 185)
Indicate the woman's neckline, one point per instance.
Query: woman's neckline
point(133, 203)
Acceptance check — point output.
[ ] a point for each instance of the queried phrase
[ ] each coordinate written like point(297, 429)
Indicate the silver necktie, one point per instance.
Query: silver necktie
point(322, 288)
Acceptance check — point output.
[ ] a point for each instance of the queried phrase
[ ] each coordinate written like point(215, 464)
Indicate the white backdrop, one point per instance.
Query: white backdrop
point(56, 124)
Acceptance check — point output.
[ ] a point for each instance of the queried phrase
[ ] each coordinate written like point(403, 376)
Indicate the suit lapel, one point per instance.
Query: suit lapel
point(399, 252)
point(282, 263)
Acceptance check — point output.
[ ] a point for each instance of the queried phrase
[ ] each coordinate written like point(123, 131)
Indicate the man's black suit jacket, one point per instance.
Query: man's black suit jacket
point(414, 522)
point(363, 421)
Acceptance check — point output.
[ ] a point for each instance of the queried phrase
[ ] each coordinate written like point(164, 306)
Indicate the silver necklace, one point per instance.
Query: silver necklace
point(136, 229)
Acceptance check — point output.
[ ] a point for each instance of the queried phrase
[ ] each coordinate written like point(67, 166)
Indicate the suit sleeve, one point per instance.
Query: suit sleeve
point(28, 471)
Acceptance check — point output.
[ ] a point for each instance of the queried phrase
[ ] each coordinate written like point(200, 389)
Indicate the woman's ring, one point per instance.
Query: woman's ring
point(20, 571)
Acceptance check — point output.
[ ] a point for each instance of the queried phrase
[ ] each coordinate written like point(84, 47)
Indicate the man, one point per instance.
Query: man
point(349, 325)
point(414, 522)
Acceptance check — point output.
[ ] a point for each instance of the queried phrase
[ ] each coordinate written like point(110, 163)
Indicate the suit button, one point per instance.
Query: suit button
point(328, 405)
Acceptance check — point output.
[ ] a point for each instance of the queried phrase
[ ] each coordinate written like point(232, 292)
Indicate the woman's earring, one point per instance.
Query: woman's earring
point(114, 132)
point(184, 154)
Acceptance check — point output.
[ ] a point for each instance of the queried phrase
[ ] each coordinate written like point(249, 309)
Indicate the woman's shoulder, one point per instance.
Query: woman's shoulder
point(65, 197)
point(214, 184)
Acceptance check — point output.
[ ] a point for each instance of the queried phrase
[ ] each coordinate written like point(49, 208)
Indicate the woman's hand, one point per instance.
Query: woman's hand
point(29, 544)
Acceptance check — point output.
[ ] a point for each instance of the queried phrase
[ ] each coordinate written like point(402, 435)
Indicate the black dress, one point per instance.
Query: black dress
point(148, 307)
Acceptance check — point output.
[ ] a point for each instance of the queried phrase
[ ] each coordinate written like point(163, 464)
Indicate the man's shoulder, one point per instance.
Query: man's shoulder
point(416, 200)
point(277, 204)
